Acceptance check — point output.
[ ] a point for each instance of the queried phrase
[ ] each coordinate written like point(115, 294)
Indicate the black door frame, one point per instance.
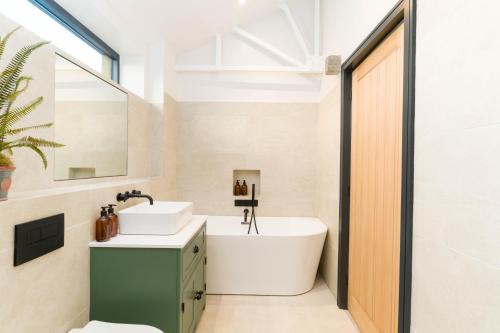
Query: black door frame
point(403, 12)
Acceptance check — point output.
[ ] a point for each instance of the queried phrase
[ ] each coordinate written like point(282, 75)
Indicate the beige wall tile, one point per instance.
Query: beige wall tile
point(41, 295)
point(327, 179)
point(456, 262)
point(452, 292)
point(277, 138)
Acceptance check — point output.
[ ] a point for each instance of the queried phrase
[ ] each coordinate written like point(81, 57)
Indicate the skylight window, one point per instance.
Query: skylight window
point(39, 22)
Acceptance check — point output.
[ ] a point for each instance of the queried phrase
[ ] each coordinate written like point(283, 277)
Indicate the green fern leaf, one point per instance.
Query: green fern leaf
point(24, 129)
point(32, 147)
point(18, 91)
point(10, 118)
point(14, 68)
point(3, 41)
point(39, 142)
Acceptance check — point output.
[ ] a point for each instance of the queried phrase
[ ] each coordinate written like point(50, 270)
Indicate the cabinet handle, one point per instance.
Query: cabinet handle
point(196, 249)
point(198, 295)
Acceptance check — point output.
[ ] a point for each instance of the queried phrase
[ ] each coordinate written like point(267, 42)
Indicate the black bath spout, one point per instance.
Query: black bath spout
point(134, 194)
point(245, 212)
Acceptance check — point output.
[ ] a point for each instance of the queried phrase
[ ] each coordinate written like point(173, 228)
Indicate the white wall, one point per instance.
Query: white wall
point(132, 73)
point(345, 24)
point(149, 73)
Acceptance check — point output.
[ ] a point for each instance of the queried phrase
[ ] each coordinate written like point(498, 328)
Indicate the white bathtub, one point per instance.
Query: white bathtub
point(282, 260)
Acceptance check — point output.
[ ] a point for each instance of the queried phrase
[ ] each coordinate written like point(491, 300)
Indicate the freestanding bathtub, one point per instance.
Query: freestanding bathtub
point(282, 260)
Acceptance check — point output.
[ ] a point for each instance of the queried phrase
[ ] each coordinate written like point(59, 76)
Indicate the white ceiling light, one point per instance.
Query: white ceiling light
point(243, 2)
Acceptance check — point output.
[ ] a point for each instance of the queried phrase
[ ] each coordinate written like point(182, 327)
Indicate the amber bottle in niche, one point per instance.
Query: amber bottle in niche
point(113, 220)
point(244, 188)
point(102, 227)
point(237, 188)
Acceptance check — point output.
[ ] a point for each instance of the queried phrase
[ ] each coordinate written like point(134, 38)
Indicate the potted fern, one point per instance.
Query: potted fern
point(12, 84)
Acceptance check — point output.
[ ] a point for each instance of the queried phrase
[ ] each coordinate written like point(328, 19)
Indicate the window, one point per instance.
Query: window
point(52, 22)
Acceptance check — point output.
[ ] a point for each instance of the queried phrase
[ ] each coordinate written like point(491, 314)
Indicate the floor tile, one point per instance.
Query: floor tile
point(313, 312)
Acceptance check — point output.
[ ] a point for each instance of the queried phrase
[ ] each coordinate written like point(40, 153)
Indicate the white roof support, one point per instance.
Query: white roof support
point(300, 39)
point(218, 50)
point(317, 27)
point(266, 46)
point(283, 69)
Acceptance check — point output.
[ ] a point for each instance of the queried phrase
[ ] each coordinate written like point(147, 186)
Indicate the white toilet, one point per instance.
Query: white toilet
point(102, 327)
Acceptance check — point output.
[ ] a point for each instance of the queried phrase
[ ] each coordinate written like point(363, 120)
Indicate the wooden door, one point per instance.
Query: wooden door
point(376, 174)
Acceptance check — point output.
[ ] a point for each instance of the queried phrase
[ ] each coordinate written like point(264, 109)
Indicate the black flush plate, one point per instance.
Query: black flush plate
point(36, 238)
point(245, 203)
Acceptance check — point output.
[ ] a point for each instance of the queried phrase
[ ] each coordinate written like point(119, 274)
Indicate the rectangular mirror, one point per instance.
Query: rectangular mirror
point(91, 121)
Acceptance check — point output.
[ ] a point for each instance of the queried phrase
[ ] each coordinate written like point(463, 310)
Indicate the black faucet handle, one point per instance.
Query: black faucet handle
point(122, 197)
point(136, 192)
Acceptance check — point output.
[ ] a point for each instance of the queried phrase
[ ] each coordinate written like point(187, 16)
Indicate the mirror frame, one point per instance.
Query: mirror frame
point(111, 83)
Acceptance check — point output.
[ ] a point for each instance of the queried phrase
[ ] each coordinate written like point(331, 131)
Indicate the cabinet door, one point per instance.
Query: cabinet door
point(188, 302)
point(199, 288)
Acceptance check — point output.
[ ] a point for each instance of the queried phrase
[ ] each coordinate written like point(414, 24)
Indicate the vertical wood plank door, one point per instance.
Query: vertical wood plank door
point(376, 175)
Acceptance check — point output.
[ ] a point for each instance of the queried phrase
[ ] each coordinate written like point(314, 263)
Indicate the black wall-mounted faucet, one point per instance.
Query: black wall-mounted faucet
point(134, 194)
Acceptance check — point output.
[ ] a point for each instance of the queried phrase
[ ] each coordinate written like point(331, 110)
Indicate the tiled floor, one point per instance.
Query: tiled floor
point(313, 312)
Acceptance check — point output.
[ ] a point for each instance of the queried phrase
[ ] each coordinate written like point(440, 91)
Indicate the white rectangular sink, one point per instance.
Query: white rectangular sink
point(162, 218)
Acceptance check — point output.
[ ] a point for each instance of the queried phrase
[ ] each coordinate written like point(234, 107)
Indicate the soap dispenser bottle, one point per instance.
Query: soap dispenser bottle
point(113, 220)
point(237, 188)
point(244, 188)
point(102, 227)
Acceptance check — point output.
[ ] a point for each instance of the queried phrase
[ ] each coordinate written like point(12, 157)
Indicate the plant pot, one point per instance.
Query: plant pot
point(5, 181)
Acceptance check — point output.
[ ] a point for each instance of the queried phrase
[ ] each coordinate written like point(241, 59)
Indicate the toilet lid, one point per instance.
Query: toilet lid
point(102, 327)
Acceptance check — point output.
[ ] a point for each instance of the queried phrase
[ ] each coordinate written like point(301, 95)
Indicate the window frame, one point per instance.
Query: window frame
point(61, 15)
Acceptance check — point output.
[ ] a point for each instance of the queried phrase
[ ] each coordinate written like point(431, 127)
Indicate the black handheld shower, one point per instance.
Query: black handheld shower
point(252, 217)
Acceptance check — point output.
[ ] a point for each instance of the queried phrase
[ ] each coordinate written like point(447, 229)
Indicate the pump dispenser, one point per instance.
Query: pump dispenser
point(237, 188)
point(113, 220)
point(244, 188)
point(102, 227)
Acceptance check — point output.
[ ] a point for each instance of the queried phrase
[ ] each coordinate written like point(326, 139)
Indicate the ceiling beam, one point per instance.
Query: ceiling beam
point(317, 27)
point(298, 35)
point(266, 46)
point(283, 69)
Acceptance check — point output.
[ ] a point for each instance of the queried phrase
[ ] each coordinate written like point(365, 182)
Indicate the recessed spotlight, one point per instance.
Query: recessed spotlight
point(242, 2)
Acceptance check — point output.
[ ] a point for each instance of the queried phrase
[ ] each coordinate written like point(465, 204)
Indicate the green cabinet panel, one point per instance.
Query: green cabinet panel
point(199, 287)
point(193, 298)
point(188, 303)
point(149, 286)
point(192, 252)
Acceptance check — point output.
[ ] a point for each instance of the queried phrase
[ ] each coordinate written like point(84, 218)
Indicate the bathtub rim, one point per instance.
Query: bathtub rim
point(321, 224)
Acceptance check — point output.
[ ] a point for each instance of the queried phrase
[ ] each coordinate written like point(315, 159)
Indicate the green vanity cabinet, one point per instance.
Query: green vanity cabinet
point(160, 287)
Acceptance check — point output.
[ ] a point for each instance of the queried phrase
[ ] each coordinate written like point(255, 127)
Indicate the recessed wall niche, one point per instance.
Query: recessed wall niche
point(251, 177)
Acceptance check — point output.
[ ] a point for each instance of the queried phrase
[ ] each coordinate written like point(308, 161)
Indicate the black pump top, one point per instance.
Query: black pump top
point(111, 210)
point(104, 213)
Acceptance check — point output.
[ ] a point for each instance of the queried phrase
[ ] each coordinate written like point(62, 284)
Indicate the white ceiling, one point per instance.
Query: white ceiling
point(130, 25)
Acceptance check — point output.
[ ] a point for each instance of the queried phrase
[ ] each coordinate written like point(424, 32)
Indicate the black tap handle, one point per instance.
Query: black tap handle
point(198, 295)
point(136, 192)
